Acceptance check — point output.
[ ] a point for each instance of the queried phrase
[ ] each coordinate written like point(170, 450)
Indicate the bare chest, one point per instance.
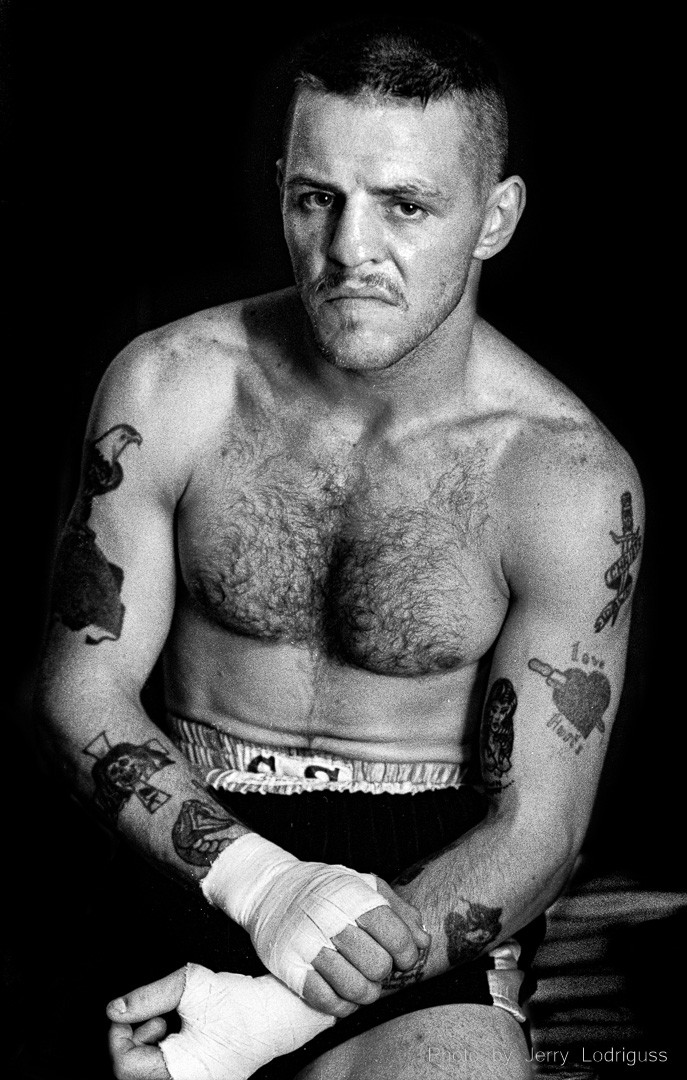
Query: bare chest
point(379, 560)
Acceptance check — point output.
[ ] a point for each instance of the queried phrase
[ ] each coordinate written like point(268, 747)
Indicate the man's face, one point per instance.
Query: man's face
point(381, 217)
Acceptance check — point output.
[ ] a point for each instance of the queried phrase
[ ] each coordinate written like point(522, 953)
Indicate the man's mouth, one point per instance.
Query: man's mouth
point(350, 293)
point(375, 288)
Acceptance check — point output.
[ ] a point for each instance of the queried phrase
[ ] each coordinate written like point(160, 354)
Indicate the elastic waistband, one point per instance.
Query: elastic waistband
point(235, 765)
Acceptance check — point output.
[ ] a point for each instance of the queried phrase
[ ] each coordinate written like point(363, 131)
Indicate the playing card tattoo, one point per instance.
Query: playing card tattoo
point(618, 576)
point(496, 736)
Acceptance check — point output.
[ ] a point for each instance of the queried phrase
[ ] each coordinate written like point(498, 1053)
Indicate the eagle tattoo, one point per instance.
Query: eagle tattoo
point(87, 586)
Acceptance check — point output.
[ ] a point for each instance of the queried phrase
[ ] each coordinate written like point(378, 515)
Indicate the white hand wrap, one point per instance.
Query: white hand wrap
point(291, 909)
point(231, 1025)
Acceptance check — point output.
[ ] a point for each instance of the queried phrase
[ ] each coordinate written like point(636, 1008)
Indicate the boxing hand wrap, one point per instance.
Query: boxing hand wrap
point(291, 909)
point(231, 1025)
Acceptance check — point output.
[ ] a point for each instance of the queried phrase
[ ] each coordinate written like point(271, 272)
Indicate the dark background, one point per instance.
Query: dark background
point(139, 187)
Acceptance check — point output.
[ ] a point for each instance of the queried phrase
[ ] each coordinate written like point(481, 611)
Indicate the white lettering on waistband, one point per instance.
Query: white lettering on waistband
point(307, 768)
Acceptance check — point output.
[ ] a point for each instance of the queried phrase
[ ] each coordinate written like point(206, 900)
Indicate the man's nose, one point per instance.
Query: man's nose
point(357, 236)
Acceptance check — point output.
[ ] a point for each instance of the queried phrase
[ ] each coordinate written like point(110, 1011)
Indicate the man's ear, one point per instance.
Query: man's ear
point(504, 208)
point(280, 179)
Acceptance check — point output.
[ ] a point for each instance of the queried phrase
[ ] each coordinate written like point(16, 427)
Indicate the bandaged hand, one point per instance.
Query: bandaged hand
point(329, 933)
point(231, 1025)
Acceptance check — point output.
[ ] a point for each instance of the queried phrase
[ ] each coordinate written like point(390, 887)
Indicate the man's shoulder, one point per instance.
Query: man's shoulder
point(202, 352)
point(559, 458)
point(179, 385)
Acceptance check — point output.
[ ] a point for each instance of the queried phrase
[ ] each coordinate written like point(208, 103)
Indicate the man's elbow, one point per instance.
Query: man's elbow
point(50, 716)
point(549, 845)
point(562, 855)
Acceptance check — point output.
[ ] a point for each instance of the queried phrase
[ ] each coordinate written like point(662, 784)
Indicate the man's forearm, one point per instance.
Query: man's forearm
point(482, 889)
point(129, 773)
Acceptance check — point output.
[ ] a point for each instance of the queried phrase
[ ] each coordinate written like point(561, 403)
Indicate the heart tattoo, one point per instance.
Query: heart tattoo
point(581, 697)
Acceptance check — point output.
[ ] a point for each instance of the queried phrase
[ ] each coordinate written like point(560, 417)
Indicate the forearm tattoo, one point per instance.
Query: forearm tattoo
point(194, 835)
point(470, 930)
point(123, 771)
point(87, 588)
point(617, 576)
point(398, 980)
point(496, 736)
point(580, 697)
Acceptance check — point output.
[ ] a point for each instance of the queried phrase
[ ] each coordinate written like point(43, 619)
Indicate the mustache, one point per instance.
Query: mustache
point(337, 279)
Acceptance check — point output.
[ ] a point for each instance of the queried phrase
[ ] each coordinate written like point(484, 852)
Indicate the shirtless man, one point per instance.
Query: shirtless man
point(376, 545)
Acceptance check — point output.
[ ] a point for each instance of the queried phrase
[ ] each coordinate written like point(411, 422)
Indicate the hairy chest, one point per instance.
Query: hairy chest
point(380, 561)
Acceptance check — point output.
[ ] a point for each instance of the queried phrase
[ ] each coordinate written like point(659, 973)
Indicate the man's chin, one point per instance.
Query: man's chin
point(357, 348)
point(355, 353)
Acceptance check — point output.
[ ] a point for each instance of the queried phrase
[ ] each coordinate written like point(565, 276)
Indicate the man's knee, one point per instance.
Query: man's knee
point(465, 1042)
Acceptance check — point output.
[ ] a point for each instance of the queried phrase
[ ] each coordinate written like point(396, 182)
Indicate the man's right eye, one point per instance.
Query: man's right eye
point(317, 200)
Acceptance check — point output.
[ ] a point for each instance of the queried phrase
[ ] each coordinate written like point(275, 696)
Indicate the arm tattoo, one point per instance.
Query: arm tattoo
point(468, 932)
point(193, 835)
point(496, 737)
point(617, 576)
point(86, 586)
point(124, 770)
point(580, 697)
point(398, 980)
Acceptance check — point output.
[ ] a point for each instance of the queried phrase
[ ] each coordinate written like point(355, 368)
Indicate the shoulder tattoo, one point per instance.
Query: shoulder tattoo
point(618, 576)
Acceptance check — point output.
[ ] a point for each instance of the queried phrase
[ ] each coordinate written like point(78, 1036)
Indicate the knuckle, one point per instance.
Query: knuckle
point(357, 987)
point(408, 955)
point(336, 1007)
point(405, 954)
point(369, 994)
point(378, 969)
point(346, 938)
point(324, 998)
point(399, 937)
point(342, 1009)
point(360, 995)
point(318, 1000)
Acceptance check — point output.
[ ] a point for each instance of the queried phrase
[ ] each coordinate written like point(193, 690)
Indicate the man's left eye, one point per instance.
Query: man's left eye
point(409, 209)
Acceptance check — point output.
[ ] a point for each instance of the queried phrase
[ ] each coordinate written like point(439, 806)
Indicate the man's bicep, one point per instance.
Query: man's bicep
point(559, 664)
point(113, 582)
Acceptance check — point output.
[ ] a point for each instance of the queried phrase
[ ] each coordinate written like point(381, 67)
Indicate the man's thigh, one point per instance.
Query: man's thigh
point(464, 1042)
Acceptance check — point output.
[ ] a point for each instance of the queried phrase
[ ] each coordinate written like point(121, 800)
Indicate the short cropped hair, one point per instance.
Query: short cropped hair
point(418, 60)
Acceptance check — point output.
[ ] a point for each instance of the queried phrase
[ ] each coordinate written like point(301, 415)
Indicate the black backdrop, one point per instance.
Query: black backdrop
point(139, 187)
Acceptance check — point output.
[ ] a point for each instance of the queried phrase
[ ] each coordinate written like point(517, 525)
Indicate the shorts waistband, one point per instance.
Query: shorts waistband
point(235, 765)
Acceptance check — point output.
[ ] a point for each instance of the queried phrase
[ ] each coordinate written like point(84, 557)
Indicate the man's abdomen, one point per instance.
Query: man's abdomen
point(280, 695)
